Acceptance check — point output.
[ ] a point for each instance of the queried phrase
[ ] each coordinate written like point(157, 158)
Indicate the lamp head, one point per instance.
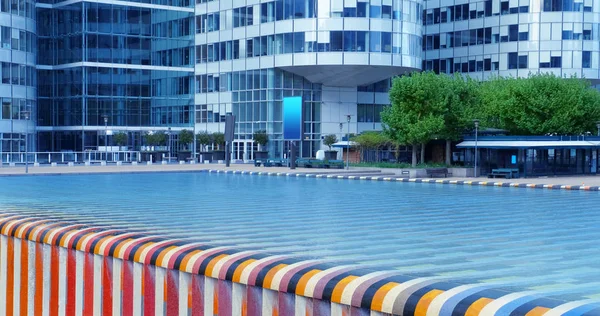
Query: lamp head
point(476, 122)
point(348, 117)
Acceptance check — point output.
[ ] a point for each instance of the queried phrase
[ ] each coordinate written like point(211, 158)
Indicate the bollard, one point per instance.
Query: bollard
point(103, 163)
point(119, 163)
point(70, 164)
point(192, 162)
point(148, 163)
point(53, 164)
point(164, 162)
point(181, 162)
point(134, 163)
point(87, 163)
point(36, 164)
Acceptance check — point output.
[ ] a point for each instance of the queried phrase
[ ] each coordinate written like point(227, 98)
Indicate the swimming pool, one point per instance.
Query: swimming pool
point(540, 240)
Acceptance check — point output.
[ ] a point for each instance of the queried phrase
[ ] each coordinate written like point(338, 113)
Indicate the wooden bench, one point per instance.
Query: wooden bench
point(432, 172)
point(506, 173)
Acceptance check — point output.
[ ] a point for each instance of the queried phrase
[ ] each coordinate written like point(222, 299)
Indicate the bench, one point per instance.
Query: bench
point(432, 172)
point(270, 162)
point(334, 164)
point(506, 173)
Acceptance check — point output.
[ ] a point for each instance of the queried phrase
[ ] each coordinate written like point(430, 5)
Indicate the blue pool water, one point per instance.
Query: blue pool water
point(518, 239)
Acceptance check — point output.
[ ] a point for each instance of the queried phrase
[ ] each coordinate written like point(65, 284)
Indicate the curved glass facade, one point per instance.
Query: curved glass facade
point(18, 77)
point(249, 57)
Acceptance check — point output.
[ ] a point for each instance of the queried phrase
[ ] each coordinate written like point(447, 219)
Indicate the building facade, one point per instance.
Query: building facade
point(144, 66)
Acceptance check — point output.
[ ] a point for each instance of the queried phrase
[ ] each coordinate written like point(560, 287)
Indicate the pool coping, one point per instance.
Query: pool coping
point(389, 292)
point(416, 180)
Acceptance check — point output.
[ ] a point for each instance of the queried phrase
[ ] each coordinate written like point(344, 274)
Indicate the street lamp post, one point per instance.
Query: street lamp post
point(26, 114)
point(598, 126)
point(348, 117)
point(105, 138)
point(169, 145)
point(476, 122)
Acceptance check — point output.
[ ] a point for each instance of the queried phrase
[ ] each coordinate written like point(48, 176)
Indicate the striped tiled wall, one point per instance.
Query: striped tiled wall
point(49, 267)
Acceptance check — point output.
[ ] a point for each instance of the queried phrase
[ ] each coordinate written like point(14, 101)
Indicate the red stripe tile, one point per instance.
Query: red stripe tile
point(71, 282)
point(127, 288)
point(172, 295)
point(107, 286)
point(54, 264)
point(149, 292)
point(88, 284)
point(197, 295)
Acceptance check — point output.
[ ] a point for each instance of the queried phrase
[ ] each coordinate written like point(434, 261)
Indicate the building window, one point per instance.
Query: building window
point(517, 62)
point(586, 59)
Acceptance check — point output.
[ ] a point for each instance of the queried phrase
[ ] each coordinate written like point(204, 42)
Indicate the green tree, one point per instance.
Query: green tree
point(120, 138)
point(218, 139)
point(371, 141)
point(186, 137)
point(419, 103)
point(540, 104)
point(329, 140)
point(261, 138)
point(204, 139)
point(463, 102)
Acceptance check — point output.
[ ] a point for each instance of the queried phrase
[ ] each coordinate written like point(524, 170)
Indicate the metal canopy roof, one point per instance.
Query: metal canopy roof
point(529, 144)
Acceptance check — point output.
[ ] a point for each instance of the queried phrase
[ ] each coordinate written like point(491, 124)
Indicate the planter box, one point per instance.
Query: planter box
point(261, 155)
point(331, 155)
point(184, 155)
point(206, 156)
point(218, 155)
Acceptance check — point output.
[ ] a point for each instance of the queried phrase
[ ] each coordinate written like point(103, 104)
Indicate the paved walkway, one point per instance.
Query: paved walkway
point(590, 182)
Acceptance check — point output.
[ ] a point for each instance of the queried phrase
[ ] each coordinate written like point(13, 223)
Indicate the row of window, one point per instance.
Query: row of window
point(13, 38)
point(299, 42)
point(369, 113)
point(24, 8)
point(259, 80)
point(468, 11)
point(279, 10)
point(488, 35)
point(515, 61)
point(18, 74)
point(16, 109)
point(479, 10)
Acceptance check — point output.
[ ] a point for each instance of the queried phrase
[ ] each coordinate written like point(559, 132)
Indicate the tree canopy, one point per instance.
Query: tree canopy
point(540, 104)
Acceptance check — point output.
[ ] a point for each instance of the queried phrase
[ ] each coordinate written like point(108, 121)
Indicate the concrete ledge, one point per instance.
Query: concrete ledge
point(221, 162)
point(311, 286)
point(103, 163)
point(54, 164)
point(206, 162)
point(119, 163)
point(87, 163)
point(12, 164)
point(181, 162)
point(164, 162)
point(134, 163)
point(192, 162)
point(149, 163)
point(36, 164)
point(70, 164)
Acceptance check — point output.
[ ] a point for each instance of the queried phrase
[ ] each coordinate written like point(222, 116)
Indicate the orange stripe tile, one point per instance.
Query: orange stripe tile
point(139, 251)
point(80, 241)
point(301, 286)
point(425, 301)
point(211, 264)
point(162, 254)
point(269, 277)
point(238, 271)
point(100, 243)
point(10, 275)
point(377, 302)
point(120, 245)
point(336, 296)
point(24, 277)
point(538, 311)
point(477, 306)
point(186, 259)
point(215, 301)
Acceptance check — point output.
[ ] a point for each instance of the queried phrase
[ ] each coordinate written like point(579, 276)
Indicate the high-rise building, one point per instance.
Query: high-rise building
point(143, 66)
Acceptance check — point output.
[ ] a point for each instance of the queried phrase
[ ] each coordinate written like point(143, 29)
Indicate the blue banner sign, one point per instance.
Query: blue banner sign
point(292, 118)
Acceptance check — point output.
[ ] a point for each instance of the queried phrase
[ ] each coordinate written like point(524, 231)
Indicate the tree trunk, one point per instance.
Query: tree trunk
point(423, 153)
point(448, 152)
point(414, 156)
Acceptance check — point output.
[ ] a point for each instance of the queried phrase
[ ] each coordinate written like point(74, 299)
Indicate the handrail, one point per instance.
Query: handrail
point(70, 156)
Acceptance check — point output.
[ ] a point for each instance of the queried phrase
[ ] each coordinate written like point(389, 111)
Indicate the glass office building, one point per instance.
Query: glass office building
point(18, 90)
point(159, 64)
point(116, 67)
